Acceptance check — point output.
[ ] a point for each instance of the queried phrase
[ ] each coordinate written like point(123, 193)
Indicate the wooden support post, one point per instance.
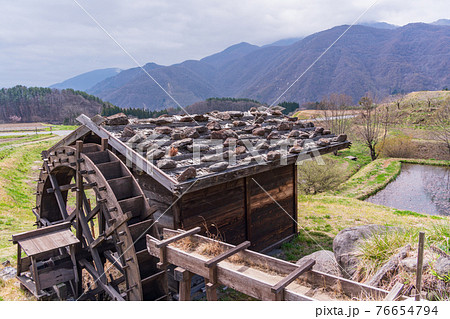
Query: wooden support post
point(35, 275)
point(75, 269)
point(104, 144)
point(211, 291)
point(19, 260)
point(278, 289)
point(79, 205)
point(419, 265)
point(394, 293)
point(184, 287)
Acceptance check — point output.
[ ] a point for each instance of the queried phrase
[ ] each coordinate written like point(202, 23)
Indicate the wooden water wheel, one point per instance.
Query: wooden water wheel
point(111, 231)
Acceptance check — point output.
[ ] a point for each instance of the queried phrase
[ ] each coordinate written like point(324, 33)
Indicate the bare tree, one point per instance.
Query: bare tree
point(334, 112)
point(373, 122)
point(442, 123)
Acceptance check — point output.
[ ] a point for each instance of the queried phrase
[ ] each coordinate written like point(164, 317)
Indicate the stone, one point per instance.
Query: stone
point(163, 130)
point(262, 146)
point(259, 131)
point(410, 264)
point(166, 164)
point(304, 135)
point(8, 273)
point(309, 124)
point(442, 266)
point(294, 133)
point(128, 132)
point(182, 143)
point(177, 135)
point(218, 167)
point(188, 173)
point(345, 243)
point(199, 147)
point(186, 119)
point(299, 143)
point(319, 130)
point(352, 158)
point(155, 154)
point(200, 118)
point(259, 119)
point(162, 120)
point(273, 136)
point(326, 132)
point(276, 113)
point(232, 141)
point(214, 157)
point(191, 132)
point(213, 126)
point(236, 114)
point(292, 119)
point(200, 129)
point(273, 156)
point(299, 124)
point(223, 134)
point(325, 262)
point(340, 138)
point(295, 149)
point(117, 119)
point(224, 116)
point(240, 150)
point(238, 123)
point(269, 128)
point(285, 126)
point(323, 142)
point(313, 135)
point(137, 138)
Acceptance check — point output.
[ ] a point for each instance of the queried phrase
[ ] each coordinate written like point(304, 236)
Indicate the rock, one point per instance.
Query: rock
point(262, 146)
point(163, 130)
point(7, 273)
point(326, 132)
point(325, 262)
point(218, 167)
point(232, 141)
point(199, 147)
point(344, 246)
point(442, 266)
point(304, 135)
point(166, 164)
point(259, 131)
point(214, 126)
point(155, 154)
point(253, 109)
point(128, 132)
point(200, 129)
point(215, 157)
point(188, 173)
point(117, 119)
point(353, 158)
point(192, 132)
point(410, 264)
point(299, 124)
point(224, 116)
point(186, 119)
point(182, 143)
point(137, 138)
point(163, 120)
point(340, 138)
point(323, 142)
point(273, 156)
point(276, 113)
point(259, 119)
point(200, 118)
point(236, 114)
point(250, 128)
point(239, 123)
point(294, 133)
point(6, 263)
point(299, 143)
point(223, 134)
point(285, 126)
point(273, 136)
point(309, 124)
point(240, 150)
point(319, 130)
point(295, 149)
point(292, 119)
point(177, 135)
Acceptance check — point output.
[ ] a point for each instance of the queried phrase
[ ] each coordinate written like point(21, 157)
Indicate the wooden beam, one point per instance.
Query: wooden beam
point(136, 158)
point(173, 239)
point(40, 231)
point(213, 262)
point(184, 287)
point(278, 289)
point(419, 266)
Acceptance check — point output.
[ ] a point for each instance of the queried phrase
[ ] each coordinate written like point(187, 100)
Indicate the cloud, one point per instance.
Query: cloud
point(46, 42)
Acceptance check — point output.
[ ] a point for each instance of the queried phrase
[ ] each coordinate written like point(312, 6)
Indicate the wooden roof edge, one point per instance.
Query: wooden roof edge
point(131, 155)
point(239, 172)
point(75, 135)
point(40, 231)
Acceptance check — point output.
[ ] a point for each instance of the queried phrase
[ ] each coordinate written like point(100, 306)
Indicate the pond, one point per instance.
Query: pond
point(419, 188)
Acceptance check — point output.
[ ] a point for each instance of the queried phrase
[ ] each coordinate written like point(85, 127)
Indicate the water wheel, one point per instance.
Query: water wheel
point(110, 218)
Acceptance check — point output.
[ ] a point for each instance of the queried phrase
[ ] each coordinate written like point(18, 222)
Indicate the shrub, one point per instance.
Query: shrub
point(400, 146)
point(315, 178)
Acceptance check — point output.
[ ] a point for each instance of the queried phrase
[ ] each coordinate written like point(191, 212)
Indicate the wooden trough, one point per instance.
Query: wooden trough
point(257, 275)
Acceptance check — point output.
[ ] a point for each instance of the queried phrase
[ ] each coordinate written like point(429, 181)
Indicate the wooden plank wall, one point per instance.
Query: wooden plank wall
point(222, 205)
point(268, 223)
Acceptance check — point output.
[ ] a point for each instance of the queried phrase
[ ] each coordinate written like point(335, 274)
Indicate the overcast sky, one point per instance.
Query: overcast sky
point(44, 42)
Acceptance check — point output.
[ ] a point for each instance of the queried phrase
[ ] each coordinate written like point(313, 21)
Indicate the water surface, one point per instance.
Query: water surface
point(419, 188)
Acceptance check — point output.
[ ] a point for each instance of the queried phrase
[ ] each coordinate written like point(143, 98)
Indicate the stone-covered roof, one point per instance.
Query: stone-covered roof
point(247, 138)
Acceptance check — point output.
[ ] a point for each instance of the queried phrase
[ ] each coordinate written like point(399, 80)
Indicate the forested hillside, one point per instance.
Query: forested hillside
point(34, 104)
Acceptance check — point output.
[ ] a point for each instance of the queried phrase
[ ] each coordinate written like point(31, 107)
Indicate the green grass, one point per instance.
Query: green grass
point(60, 127)
point(306, 242)
point(16, 193)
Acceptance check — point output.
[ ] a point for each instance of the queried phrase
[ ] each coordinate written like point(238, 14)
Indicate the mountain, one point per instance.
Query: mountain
point(86, 80)
point(381, 60)
point(46, 105)
point(283, 42)
point(442, 22)
point(379, 25)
